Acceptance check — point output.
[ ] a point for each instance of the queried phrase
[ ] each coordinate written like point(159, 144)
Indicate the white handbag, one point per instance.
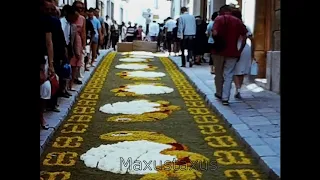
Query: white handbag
point(254, 68)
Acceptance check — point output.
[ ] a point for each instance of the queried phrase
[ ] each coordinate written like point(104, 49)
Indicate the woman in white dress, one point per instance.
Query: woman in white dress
point(244, 64)
point(123, 32)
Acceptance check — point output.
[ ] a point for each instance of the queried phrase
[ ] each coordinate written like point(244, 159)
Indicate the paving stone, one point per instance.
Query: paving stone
point(266, 110)
point(246, 111)
point(275, 122)
point(263, 150)
point(240, 127)
point(247, 134)
point(274, 143)
point(231, 118)
point(254, 118)
point(54, 122)
point(273, 162)
point(266, 128)
point(254, 141)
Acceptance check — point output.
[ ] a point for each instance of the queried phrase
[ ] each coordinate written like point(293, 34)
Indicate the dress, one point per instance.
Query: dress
point(244, 64)
point(78, 43)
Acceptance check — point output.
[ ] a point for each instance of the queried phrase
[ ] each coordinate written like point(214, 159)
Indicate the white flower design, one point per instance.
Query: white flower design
point(133, 60)
point(148, 89)
point(121, 157)
point(132, 66)
point(145, 74)
point(131, 107)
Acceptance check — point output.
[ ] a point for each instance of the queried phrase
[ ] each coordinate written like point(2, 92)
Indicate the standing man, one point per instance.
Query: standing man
point(154, 30)
point(130, 32)
point(226, 31)
point(186, 32)
point(98, 34)
point(101, 20)
point(107, 25)
point(168, 29)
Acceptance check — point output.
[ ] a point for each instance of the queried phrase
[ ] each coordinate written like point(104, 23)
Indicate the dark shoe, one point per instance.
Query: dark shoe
point(190, 64)
point(77, 82)
point(217, 96)
point(237, 95)
point(225, 103)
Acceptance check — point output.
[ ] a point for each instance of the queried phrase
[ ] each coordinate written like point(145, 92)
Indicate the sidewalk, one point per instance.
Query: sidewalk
point(54, 119)
point(255, 119)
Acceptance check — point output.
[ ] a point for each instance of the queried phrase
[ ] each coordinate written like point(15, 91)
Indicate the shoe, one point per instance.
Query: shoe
point(190, 64)
point(76, 81)
point(217, 96)
point(237, 95)
point(225, 103)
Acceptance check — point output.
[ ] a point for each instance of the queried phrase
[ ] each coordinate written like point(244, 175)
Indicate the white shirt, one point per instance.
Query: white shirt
point(66, 29)
point(170, 24)
point(154, 29)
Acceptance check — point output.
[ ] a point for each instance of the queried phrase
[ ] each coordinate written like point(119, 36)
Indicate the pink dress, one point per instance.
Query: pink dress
point(78, 43)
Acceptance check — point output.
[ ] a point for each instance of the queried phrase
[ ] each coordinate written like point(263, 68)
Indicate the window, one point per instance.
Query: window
point(121, 15)
point(112, 11)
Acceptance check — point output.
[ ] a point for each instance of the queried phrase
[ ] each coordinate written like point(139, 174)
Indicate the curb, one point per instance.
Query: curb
point(65, 105)
point(231, 119)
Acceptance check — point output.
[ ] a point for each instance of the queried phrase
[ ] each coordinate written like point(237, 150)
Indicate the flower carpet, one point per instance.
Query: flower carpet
point(149, 129)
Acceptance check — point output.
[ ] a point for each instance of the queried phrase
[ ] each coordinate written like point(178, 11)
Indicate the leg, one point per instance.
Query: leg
point(190, 52)
point(211, 64)
point(94, 47)
point(218, 79)
point(183, 57)
point(228, 73)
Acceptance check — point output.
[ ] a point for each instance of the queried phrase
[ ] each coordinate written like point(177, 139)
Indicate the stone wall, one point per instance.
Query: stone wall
point(276, 26)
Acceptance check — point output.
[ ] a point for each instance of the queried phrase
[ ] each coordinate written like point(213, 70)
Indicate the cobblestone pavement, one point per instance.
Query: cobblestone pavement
point(125, 119)
point(255, 118)
point(54, 119)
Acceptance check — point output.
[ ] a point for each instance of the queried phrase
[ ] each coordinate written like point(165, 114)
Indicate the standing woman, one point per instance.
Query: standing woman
point(244, 64)
point(77, 61)
point(123, 32)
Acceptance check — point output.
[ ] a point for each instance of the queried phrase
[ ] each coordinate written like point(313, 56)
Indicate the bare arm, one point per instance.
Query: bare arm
point(49, 46)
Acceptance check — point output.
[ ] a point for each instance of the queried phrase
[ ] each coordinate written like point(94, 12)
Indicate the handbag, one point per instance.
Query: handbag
point(54, 84)
point(254, 68)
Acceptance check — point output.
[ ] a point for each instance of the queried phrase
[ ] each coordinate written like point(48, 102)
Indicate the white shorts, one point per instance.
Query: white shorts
point(45, 90)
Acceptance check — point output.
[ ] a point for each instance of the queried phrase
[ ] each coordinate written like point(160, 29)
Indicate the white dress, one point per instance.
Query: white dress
point(244, 64)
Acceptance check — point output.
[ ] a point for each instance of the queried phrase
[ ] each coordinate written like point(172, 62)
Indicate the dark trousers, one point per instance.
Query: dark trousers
point(114, 41)
point(105, 42)
point(169, 38)
point(130, 38)
point(187, 43)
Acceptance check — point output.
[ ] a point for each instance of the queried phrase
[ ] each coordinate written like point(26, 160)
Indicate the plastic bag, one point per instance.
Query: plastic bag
point(254, 68)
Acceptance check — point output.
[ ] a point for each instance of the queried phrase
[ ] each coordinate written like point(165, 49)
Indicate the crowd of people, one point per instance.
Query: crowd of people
point(72, 36)
point(226, 38)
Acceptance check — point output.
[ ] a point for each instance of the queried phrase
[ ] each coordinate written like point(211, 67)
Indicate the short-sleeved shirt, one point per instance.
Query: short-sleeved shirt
point(96, 26)
point(170, 24)
point(230, 28)
point(209, 32)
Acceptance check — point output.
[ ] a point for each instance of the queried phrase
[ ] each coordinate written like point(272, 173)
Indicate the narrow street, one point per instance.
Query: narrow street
point(139, 117)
